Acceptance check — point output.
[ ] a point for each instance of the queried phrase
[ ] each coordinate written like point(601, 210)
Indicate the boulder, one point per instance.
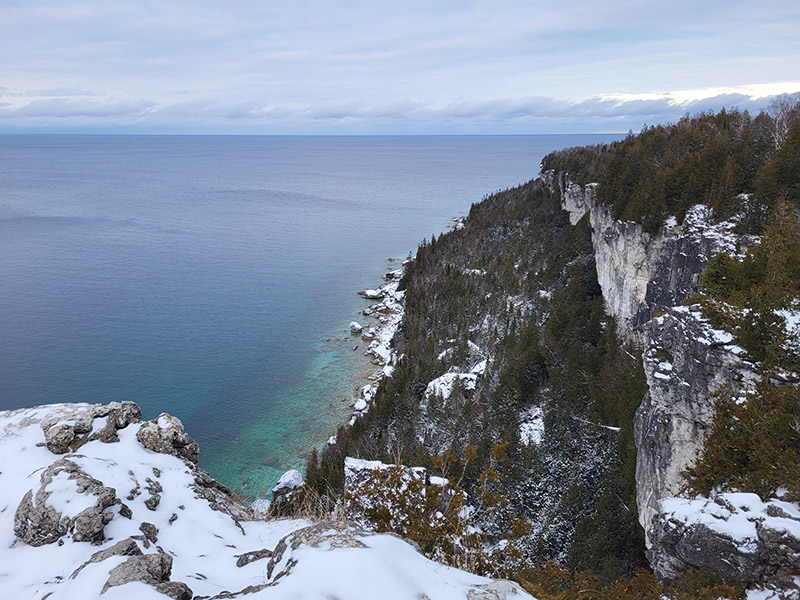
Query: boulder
point(355, 327)
point(496, 590)
point(372, 294)
point(735, 535)
point(72, 425)
point(322, 535)
point(37, 522)
point(126, 547)
point(175, 589)
point(248, 557)
point(167, 436)
point(148, 568)
point(290, 480)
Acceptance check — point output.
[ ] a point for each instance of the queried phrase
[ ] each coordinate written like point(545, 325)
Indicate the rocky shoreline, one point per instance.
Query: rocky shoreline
point(385, 316)
point(388, 314)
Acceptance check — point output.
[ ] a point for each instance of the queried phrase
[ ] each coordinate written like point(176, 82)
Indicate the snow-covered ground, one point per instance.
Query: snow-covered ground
point(160, 523)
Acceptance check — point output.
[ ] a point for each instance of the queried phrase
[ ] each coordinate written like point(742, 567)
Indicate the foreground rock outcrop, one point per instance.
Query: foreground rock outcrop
point(96, 504)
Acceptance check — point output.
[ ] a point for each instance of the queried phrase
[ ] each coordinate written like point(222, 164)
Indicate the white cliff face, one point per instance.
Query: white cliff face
point(626, 259)
point(640, 272)
point(686, 361)
point(577, 200)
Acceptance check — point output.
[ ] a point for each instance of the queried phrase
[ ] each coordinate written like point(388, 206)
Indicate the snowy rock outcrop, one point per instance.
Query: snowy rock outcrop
point(70, 425)
point(68, 501)
point(129, 515)
point(166, 435)
point(736, 535)
point(686, 361)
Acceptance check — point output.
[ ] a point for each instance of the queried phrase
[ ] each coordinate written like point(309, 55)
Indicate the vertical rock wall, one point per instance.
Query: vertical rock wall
point(685, 360)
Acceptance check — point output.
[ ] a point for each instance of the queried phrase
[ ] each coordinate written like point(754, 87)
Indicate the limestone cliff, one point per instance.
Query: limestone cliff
point(640, 272)
point(685, 361)
point(645, 275)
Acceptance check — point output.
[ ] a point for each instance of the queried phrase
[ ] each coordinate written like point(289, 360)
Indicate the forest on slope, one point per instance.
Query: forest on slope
point(546, 430)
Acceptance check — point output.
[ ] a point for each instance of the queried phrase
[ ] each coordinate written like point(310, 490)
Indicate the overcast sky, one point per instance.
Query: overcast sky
point(308, 66)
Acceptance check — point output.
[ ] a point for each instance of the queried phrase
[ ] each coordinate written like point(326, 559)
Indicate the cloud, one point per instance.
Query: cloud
point(65, 108)
point(533, 114)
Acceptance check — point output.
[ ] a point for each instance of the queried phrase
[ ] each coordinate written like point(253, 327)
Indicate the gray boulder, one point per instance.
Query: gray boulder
point(148, 568)
point(73, 425)
point(37, 522)
point(175, 589)
point(322, 535)
point(167, 436)
point(496, 590)
point(735, 535)
point(126, 547)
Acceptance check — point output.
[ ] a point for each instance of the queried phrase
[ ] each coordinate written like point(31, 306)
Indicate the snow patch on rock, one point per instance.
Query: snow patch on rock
point(531, 426)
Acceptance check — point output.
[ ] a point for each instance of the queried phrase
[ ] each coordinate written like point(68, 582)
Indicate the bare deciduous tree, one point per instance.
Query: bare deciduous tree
point(783, 110)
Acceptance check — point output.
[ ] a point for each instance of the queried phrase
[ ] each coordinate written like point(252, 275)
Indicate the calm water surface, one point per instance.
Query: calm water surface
point(214, 277)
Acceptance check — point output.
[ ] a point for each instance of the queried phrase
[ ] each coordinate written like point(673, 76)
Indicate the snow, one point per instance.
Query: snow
point(737, 515)
point(791, 316)
point(389, 313)
point(443, 386)
point(204, 543)
point(474, 347)
point(480, 368)
point(447, 353)
point(699, 222)
point(387, 568)
point(261, 506)
point(289, 480)
point(531, 427)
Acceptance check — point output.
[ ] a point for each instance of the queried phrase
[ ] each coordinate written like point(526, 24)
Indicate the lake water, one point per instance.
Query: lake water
point(214, 277)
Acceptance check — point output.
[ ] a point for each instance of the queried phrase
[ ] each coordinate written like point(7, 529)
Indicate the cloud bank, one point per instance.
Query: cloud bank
point(365, 67)
point(535, 114)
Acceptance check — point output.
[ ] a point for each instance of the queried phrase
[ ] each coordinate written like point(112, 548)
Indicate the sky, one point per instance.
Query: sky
point(375, 67)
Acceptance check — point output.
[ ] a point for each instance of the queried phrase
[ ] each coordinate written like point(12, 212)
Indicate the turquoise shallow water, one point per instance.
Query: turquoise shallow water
point(205, 276)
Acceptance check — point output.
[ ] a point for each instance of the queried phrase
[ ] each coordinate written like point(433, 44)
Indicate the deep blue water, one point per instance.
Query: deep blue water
point(214, 277)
